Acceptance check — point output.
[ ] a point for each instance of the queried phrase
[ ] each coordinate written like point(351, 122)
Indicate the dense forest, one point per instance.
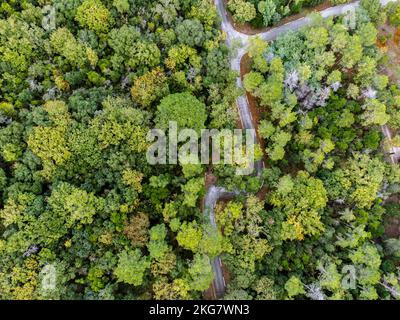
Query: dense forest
point(81, 84)
point(83, 215)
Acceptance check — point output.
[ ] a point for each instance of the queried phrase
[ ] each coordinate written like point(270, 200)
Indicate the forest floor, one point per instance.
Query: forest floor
point(248, 29)
point(392, 224)
point(210, 293)
point(211, 179)
point(392, 227)
point(245, 67)
point(389, 43)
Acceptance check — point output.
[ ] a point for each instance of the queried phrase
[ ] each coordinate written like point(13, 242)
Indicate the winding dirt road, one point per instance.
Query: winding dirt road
point(214, 194)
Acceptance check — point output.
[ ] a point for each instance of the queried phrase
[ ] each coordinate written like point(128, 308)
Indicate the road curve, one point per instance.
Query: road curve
point(214, 194)
point(273, 33)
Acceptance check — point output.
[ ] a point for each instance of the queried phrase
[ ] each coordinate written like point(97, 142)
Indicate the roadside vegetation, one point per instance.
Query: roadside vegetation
point(264, 13)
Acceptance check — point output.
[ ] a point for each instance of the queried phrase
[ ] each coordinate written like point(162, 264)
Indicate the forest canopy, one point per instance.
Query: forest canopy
point(85, 216)
point(82, 82)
